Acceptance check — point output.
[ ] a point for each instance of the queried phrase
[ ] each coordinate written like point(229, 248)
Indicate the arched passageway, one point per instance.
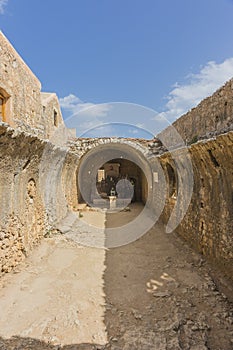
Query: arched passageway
point(113, 174)
point(122, 178)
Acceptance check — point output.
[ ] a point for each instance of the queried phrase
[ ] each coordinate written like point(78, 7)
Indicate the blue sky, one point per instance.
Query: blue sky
point(166, 55)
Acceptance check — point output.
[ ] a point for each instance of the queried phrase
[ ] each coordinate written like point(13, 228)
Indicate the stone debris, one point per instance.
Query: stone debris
point(161, 294)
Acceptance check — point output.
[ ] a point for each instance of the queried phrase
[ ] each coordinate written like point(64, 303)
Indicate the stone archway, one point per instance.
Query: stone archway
point(114, 162)
point(120, 175)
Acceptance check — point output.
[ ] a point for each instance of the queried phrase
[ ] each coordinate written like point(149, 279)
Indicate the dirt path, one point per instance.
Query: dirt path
point(57, 295)
point(161, 296)
point(152, 294)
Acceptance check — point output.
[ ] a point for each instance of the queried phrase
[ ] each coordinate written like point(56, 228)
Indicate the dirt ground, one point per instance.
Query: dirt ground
point(154, 293)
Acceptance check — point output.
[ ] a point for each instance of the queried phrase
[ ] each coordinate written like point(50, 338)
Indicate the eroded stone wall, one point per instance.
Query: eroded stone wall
point(214, 115)
point(35, 188)
point(25, 107)
point(208, 223)
point(21, 85)
point(38, 178)
point(38, 187)
point(51, 114)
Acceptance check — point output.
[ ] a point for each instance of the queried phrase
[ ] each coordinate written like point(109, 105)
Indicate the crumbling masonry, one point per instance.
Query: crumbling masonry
point(29, 119)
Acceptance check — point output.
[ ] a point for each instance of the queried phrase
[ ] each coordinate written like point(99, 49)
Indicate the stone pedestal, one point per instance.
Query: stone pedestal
point(112, 202)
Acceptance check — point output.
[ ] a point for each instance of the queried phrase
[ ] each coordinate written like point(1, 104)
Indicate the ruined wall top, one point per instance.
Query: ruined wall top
point(213, 116)
point(147, 147)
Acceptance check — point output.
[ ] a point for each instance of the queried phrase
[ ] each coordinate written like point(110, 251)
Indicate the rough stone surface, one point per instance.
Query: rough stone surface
point(207, 225)
point(26, 108)
point(76, 297)
point(33, 188)
point(214, 115)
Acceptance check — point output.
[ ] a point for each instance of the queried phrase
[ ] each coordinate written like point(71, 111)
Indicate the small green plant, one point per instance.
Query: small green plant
point(80, 214)
point(194, 140)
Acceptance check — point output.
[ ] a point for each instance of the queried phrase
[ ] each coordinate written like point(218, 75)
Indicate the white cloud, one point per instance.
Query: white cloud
point(69, 102)
point(3, 3)
point(139, 125)
point(183, 97)
point(84, 116)
point(74, 105)
point(99, 131)
point(133, 131)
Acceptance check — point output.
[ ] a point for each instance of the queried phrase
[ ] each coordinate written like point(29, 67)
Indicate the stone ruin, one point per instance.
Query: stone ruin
point(37, 194)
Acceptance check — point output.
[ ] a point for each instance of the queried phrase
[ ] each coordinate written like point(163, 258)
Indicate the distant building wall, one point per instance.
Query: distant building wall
point(51, 114)
point(24, 105)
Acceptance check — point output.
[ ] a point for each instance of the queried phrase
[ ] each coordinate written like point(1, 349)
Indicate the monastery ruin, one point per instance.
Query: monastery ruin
point(168, 288)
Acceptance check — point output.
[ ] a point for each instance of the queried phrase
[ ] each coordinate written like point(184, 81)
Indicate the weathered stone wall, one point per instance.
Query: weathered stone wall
point(38, 178)
point(25, 107)
point(51, 114)
point(214, 115)
point(38, 187)
point(83, 145)
point(21, 85)
point(144, 188)
point(208, 223)
point(35, 187)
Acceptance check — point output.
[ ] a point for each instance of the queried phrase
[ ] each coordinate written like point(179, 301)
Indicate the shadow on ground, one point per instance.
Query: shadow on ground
point(18, 343)
point(158, 296)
